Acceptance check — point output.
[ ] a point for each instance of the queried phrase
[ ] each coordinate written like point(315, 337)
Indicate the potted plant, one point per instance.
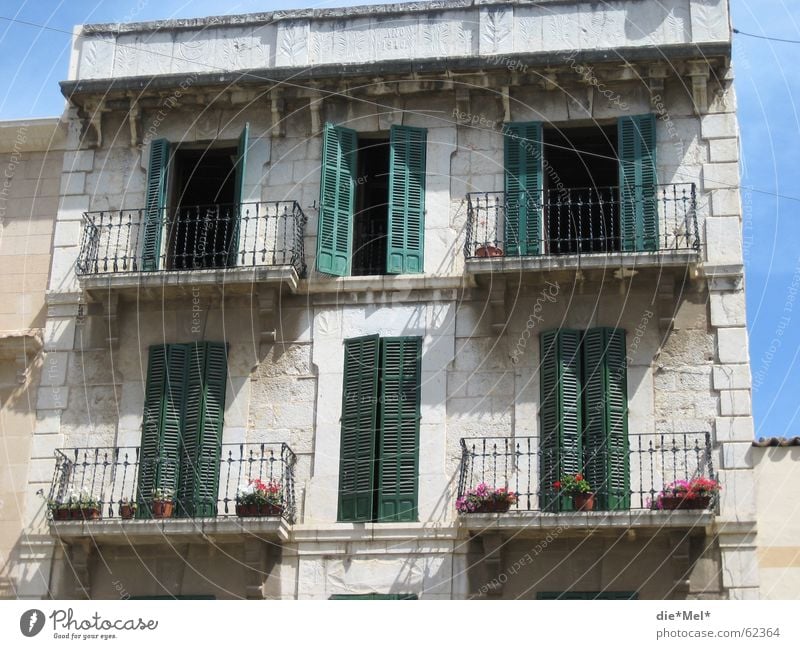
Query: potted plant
point(74, 503)
point(485, 499)
point(88, 507)
point(258, 498)
point(579, 489)
point(687, 494)
point(127, 509)
point(162, 503)
point(61, 510)
point(488, 250)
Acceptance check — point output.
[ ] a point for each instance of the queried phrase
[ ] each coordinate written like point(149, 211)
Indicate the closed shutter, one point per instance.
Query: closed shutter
point(560, 413)
point(337, 200)
point(159, 457)
point(357, 447)
point(155, 203)
point(637, 178)
point(523, 188)
point(202, 435)
point(606, 416)
point(399, 415)
point(240, 169)
point(405, 252)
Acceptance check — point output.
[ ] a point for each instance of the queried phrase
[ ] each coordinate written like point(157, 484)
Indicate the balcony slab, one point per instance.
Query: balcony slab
point(177, 282)
point(608, 261)
point(537, 523)
point(151, 532)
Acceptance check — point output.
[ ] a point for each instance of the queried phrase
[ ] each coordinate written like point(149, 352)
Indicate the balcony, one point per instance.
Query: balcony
point(109, 477)
point(581, 228)
point(207, 244)
point(654, 461)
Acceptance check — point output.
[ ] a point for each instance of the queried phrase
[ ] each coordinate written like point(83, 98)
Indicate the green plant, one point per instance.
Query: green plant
point(163, 495)
point(257, 492)
point(572, 485)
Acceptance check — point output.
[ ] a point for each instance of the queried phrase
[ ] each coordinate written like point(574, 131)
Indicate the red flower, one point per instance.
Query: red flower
point(579, 476)
point(557, 485)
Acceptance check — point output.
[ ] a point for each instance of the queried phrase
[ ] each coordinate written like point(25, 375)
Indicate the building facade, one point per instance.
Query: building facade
point(376, 258)
point(31, 153)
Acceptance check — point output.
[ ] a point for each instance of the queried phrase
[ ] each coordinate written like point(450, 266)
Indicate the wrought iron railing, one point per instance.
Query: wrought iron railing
point(654, 461)
point(580, 222)
point(193, 237)
point(108, 476)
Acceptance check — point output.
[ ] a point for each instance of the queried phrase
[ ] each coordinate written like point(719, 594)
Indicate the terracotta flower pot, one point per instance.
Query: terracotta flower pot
point(127, 511)
point(75, 514)
point(247, 510)
point(672, 503)
point(162, 508)
point(269, 509)
point(61, 514)
point(583, 502)
point(488, 251)
point(90, 513)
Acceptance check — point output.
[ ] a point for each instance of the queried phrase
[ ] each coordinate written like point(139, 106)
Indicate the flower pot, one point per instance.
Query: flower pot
point(583, 502)
point(90, 513)
point(672, 503)
point(269, 509)
point(246, 510)
point(61, 514)
point(127, 512)
point(162, 509)
point(488, 251)
point(75, 514)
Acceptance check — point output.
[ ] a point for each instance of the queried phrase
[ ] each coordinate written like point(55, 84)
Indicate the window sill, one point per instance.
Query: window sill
point(367, 283)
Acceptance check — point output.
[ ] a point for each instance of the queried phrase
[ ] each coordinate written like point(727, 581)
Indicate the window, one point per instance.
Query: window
point(193, 194)
point(566, 193)
point(584, 415)
point(367, 223)
point(379, 453)
point(182, 426)
point(585, 595)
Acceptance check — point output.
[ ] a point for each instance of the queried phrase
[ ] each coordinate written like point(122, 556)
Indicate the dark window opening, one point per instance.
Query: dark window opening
point(203, 225)
point(581, 178)
point(370, 224)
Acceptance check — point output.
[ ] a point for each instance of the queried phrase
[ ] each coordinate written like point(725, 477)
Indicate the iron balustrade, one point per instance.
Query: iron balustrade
point(654, 461)
point(578, 221)
point(194, 237)
point(109, 475)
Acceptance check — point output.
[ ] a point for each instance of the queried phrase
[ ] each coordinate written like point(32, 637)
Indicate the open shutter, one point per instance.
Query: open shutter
point(637, 179)
point(560, 413)
point(606, 407)
point(398, 421)
point(523, 187)
point(162, 423)
point(357, 447)
point(405, 251)
point(155, 203)
point(240, 169)
point(336, 200)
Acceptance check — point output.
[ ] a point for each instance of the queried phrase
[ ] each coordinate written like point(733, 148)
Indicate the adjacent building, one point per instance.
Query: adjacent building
point(376, 257)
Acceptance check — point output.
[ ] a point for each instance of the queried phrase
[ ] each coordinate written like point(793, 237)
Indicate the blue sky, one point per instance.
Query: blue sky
point(768, 88)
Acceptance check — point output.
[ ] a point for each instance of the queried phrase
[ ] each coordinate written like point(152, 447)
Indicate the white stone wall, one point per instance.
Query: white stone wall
point(380, 33)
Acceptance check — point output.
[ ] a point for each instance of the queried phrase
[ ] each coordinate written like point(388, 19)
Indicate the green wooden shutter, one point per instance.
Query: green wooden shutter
point(336, 200)
point(405, 252)
point(523, 187)
point(201, 441)
point(238, 194)
point(398, 419)
point(560, 414)
point(155, 203)
point(150, 448)
point(637, 179)
point(162, 424)
point(606, 416)
point(357, 447)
